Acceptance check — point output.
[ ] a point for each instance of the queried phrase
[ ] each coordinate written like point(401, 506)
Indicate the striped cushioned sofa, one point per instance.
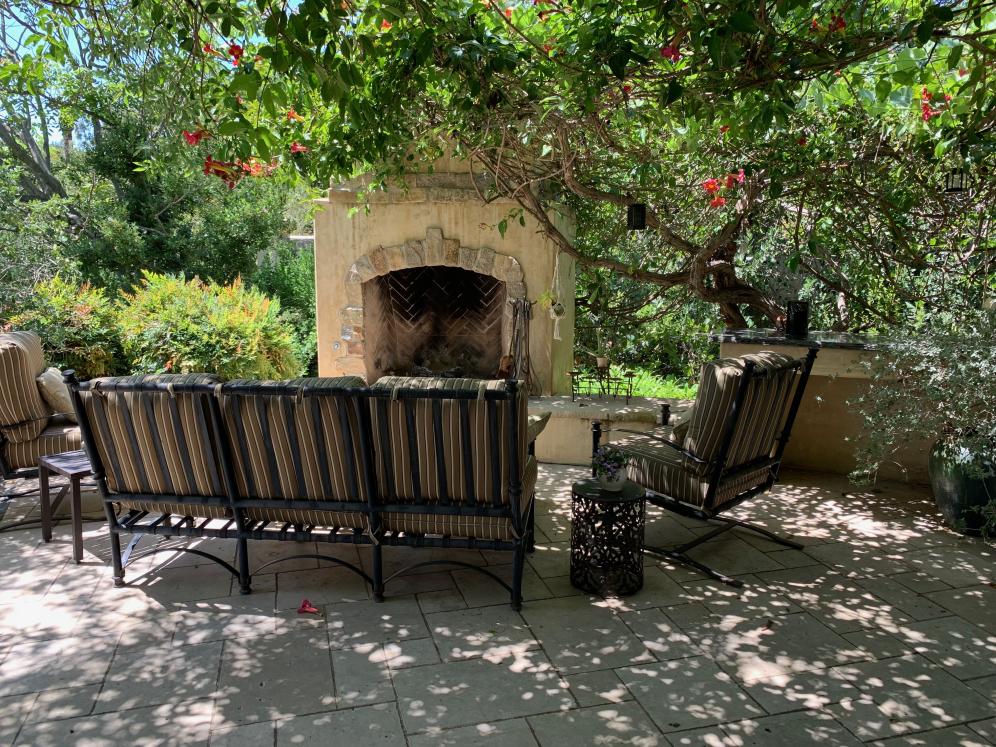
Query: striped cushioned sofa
point(729, 448)
point(28, 427)
point(440, 463)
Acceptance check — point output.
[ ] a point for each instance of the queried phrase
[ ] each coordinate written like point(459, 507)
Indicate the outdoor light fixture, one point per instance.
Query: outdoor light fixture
point(636, 216)
point(956, 180)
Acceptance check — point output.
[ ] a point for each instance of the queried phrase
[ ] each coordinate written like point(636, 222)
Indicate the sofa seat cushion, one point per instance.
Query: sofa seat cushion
point(478, 527)
point(661, 469)
point(55, 439)
point(178, 509)
point(341, 519)
point(23, 412)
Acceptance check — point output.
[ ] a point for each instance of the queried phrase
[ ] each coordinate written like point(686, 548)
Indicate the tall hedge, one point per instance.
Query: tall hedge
point(168, 324)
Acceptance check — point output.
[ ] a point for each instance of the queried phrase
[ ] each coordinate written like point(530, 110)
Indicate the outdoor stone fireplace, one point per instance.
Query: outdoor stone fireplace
point(432, 307)
point(423, 283)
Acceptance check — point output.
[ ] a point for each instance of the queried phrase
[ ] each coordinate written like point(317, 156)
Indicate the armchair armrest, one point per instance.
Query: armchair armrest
point(536, 425)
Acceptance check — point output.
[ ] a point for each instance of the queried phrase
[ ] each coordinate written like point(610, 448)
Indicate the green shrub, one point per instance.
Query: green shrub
point(171, 324)
point(77, 325)
point(289, 275)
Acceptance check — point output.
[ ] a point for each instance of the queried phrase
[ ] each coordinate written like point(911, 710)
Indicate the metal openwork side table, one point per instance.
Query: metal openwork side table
point(607, 538)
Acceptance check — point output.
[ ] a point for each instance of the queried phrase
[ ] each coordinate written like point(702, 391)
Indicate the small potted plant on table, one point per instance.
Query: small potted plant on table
point(609, 464)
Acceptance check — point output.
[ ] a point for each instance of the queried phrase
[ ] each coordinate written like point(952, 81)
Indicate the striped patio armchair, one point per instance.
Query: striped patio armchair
point(29, 429)
point(728, 450)
point(454, 467)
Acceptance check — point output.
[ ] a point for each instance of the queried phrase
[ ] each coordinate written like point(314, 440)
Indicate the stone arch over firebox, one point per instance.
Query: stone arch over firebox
point(433, 250)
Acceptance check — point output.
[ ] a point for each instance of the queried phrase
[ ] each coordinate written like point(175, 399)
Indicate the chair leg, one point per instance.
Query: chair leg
point(680, 557)
point(378, 573)
point(116, 559)
point(518, 564)
point(762, 531)
point(242, 553)
point(531, 527)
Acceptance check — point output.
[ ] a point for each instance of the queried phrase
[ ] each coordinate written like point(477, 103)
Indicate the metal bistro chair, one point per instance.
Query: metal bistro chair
point(728, 450)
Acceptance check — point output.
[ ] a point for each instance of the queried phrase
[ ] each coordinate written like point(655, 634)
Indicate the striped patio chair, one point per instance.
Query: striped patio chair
point(727, 451)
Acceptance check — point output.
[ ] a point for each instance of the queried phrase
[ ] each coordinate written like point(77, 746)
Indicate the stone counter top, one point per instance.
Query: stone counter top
point(815, 339)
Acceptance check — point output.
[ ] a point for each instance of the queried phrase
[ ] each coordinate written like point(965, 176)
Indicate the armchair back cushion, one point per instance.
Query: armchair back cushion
point(23, 412)
point(295, 447)
point(762, 416)
point(156, 442)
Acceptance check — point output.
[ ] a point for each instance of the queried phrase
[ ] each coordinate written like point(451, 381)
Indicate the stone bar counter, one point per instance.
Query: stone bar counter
point(827, 427)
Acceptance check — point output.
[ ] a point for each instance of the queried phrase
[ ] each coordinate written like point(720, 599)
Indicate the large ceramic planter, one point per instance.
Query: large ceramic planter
point(956, 492)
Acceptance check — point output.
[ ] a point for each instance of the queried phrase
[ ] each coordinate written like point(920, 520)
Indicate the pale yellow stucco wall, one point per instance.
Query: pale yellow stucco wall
point(346, 230)
point(827, 428)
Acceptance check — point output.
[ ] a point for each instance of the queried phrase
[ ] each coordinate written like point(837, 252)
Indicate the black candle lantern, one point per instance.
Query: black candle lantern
point(956, 181)
point(636, 216)
point(797, 319)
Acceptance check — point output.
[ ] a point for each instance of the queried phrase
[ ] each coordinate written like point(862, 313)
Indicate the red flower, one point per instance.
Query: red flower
point(235, 51)
point(962, 72)
point(306, 608)
point(925, 94)
point(717, 201)
point(724, 129)
point(293, 116)
point(195, 137)
point(671, 53)
point(547, 48)
point(734, 179)
point(208, 49)
point(626, 89)
point(927, 112)
point(947, 97)
point(711, 185)
point(385, 25)
point(803, 140)
point(814, 25)
point(837, 23)
point(508, 12)
point(296, 147)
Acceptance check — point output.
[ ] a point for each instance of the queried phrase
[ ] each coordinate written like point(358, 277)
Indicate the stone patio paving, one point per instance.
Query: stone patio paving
point(882, 630)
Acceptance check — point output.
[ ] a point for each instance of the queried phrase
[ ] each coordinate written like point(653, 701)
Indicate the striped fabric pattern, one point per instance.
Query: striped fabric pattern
point(156, 442)
point(764, 410)
point(661, 469)
point(23, 412)
point(474, 417)
point(477, 527)
point(295, 448)
point(53, 440)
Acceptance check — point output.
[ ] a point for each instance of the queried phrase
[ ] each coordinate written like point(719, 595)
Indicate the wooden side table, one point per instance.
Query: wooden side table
point(607, 538)
point(72, 464)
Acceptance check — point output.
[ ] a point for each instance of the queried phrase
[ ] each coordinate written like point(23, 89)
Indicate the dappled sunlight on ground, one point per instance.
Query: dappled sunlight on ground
point(882, 627)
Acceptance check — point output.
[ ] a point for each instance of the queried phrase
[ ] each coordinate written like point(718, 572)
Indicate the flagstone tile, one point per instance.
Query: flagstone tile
point(14, 710)
point(359, 727)
point(597, 688)
point(790, 730)
point(688, 694)
point(319, 586)
point(261, 734)
point(977, 604)
point(509, 733)
point(479, 590)
point(461, 693)
point(611, 724)
point(584, 637)
point(53, 664)
point(362, 676)
point(963, 649)
point(812, 690)
point(394, 619)
point(495, 633)
point(954, 736)
point(659, 634)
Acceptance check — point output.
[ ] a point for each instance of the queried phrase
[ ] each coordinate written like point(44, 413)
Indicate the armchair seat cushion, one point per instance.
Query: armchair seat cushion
point(55, 439)
point(23, 412)
point(661, 469)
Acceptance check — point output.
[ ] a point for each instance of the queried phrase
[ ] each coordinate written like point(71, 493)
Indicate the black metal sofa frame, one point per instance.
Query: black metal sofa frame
point(719, 472)
point(226, 514)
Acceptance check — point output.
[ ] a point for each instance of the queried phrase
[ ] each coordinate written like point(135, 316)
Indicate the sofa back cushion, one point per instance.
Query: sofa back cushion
point(155, 442)
point(301, 446)
point(23, 412)
point(463, 457)
point(761, 418)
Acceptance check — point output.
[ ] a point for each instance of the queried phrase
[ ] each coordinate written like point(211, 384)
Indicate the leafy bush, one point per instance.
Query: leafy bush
point(171, 324)
point(289, 275)
point(77, 325)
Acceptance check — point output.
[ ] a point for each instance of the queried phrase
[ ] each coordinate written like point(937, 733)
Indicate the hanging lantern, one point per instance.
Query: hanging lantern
point(636, 216)
point(955, 181)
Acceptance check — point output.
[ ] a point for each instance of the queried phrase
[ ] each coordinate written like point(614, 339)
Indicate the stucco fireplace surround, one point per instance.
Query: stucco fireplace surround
point(421, 282)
